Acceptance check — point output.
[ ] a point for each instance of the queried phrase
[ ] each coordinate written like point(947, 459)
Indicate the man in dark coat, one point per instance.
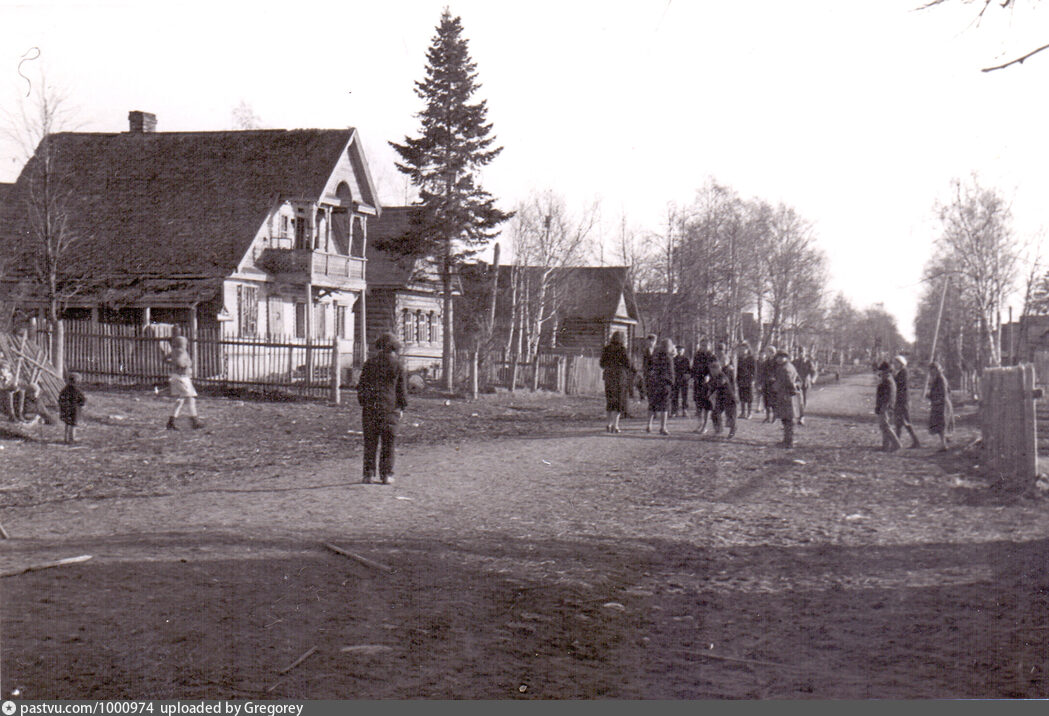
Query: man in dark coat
point(682, 376)
point(902, 409)
point(724, 396)
point(700, 377)
point(784, 391)
point(382, 393)
point(768, 370)
point(746, 369)
point(885, 399)
point(617, 373)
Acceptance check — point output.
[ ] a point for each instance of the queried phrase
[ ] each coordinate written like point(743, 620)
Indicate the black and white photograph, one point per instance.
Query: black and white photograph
point(669, 350)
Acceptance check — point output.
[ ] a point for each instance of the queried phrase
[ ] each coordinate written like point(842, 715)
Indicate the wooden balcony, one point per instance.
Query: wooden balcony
point(317, 267)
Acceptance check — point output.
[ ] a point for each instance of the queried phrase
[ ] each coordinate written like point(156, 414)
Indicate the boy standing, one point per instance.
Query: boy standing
point(382, 394)
point(70, 401)
point(885, 399)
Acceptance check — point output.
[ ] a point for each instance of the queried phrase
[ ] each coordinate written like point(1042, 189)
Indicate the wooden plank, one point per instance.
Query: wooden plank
point(363, 560)
point(46, 565)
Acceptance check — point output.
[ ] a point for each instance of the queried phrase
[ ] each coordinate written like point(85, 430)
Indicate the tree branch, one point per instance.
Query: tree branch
point(1017, 61)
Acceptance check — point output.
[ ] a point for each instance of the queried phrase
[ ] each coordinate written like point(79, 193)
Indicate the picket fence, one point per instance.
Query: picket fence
point(573, 374)
point(114, 354)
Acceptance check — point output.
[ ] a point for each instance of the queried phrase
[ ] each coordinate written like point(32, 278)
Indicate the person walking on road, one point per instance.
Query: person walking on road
point(746, 368)
point(767, 365)
point(901, 410)
point(617, 374)
point(382, 394)
point(941, 412)
point(785, 386)
point(700, 378)
point(885, 399)
point(806, 368)
point(682, 376)
point(180, 383)
point(659, 380)
point(723, 389)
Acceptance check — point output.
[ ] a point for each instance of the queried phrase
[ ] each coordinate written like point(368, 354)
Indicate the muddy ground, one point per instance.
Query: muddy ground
point(521, 553)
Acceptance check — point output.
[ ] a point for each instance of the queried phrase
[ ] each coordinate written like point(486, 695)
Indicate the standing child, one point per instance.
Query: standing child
point(746, 368)
point(382, 393)
point(181, 383)
point(70, 401)
point(723, 385)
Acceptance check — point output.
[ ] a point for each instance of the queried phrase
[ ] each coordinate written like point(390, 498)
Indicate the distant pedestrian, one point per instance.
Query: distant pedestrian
point(180, 382)
point(70, 401)
point(768, 367)
point(784, 389)
point(902, 409)
point(682, 377)
point(724, 395)
point(382, 392)
point(885, 399)
point(617, 373)
point(700, 383)
point(746, 368)
point(941, 412)
point(659, 380)
point(808, 374)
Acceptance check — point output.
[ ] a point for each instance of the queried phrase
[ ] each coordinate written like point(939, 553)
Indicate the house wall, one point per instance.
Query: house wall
point(386, 313)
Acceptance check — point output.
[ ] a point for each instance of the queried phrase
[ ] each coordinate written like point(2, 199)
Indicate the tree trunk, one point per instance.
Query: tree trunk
point(447, 342)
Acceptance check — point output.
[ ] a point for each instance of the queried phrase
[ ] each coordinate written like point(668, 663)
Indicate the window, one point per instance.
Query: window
point(340, 321)
point(248, 310)
point(422, 327)
point(320, 312)
point(357, 237)
point(284, 227)
point(433, 327)
point(408, 327)
point(300, 319)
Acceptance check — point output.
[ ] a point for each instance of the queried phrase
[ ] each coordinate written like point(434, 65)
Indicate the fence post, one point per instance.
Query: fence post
point(473, 375)
point(1030, 426)
point(336, 395)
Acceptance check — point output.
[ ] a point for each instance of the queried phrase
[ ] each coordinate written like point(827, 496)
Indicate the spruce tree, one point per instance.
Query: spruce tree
point(455, 216)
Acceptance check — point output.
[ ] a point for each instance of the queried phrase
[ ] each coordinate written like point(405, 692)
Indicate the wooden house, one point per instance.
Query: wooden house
point(257, 233)
point(404, 295)
point(585, 305)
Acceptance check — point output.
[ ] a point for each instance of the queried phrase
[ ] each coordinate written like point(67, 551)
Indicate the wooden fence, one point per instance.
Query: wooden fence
point(558, 372)
point(1008, 426)
point(111, 354)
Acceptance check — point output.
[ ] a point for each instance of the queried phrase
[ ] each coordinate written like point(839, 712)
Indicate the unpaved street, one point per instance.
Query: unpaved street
point(566, 564)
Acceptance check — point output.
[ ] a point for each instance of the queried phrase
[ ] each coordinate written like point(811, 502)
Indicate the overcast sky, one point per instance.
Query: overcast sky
point(858, 114)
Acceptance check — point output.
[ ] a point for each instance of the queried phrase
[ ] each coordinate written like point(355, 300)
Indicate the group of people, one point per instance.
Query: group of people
point(723, 384)
point(892, 404)
point(23, 401)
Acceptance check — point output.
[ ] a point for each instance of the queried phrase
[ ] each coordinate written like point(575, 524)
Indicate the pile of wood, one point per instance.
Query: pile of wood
point(30, 364)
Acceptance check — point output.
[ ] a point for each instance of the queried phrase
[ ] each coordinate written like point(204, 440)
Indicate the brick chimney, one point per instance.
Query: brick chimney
point(142, 122)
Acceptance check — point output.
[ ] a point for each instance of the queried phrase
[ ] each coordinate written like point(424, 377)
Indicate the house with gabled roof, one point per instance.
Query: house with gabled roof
point(404, 294)
point(261, 232)
point(585, 305)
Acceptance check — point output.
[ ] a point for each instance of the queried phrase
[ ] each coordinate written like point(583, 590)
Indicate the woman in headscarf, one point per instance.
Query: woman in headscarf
point(941, 412)
point(617, 373)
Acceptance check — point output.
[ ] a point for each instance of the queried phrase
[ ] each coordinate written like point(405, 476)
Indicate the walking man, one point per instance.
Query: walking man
point(682, 376)
point(806, 368)
point(902, 408)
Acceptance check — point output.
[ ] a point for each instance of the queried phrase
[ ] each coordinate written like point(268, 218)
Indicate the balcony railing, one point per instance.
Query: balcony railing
point(316, 265)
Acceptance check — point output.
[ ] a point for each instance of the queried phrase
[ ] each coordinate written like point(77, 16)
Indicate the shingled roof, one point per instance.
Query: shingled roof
point(176, 203)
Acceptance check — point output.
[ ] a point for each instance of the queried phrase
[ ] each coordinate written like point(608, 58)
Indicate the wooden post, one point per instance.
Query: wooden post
point(336, 395)
point(1030, 427)
point(473, 375)
point(194, 352)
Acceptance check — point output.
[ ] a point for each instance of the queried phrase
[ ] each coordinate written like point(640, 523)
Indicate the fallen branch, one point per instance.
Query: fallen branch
point(363, 560)
point(46, 565)
point(307, 655)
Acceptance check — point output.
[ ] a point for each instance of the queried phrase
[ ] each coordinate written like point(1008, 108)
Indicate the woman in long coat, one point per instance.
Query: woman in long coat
point(786, 385)
point(659, 381)
point(941, 412)
point(700, 377)
point(618, 374)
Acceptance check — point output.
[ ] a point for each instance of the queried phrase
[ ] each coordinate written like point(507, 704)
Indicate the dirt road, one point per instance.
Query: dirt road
point(573, 565)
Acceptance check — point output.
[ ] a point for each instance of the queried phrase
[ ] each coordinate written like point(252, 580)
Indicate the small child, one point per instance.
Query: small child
point(181, 383)
point(382, 393)
point(723, 392)
point(70, 401)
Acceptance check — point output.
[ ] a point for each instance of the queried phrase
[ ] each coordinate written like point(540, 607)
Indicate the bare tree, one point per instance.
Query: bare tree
point(547, 238)
point(244, 117)
point(983, 6)
point(978, 242)
point(44, 196)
